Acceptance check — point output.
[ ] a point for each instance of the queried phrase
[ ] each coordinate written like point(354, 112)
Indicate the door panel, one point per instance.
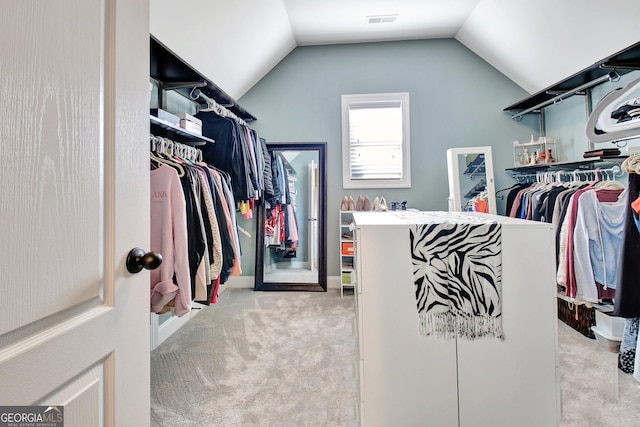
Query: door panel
point(74, 327)
point(52, 114)
point(84, 396)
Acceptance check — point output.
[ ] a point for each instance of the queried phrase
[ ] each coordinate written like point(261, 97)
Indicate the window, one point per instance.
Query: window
point(375, 141)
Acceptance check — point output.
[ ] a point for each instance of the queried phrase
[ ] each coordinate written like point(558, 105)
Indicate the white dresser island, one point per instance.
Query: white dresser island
point(409, 379)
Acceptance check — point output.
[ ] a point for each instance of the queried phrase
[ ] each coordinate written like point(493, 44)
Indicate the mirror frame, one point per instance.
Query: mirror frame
point(454, 176)
point(321, 286)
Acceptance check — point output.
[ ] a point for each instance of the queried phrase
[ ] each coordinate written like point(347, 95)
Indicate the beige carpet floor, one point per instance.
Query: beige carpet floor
point(587, 377)
point(260, 359)
point(287, 359)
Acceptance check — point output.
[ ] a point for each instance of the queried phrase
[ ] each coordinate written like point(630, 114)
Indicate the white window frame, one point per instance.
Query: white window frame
point(347, 182)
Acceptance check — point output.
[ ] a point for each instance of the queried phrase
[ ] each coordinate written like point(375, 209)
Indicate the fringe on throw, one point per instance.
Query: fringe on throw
point(450, 324)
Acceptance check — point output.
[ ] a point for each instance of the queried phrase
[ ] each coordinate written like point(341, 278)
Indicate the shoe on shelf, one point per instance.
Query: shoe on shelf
point(366, 206)
point(376, 204)
point(352, 205)
point(344, 206)
point(383, 204)
point(359, 203)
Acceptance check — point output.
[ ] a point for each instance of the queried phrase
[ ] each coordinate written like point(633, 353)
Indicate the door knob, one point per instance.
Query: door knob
point(138, 259)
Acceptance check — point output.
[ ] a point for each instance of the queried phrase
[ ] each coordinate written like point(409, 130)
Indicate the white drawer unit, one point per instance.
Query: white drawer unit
point(408, 379)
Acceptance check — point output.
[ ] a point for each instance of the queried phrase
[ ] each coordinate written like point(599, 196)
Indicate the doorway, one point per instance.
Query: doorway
point(291, 231)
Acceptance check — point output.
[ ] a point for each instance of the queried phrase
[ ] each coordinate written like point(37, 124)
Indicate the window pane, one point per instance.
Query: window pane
point(375, 140)
point(375, 134)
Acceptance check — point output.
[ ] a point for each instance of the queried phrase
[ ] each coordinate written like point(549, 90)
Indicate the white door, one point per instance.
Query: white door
point(74, 199)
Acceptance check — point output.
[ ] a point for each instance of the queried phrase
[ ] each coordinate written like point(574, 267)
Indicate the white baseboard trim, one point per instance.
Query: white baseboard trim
point(239, 282)
point(161, 331)
point(333, 282)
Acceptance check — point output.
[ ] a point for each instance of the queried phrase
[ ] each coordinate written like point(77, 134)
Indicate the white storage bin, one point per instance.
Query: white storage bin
point(609, 342)
point(609, 325)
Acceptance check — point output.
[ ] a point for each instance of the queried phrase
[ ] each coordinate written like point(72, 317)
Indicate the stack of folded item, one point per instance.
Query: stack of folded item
point(602, 152)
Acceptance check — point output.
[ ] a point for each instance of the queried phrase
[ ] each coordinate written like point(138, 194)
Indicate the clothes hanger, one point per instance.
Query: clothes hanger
point(510, 188)
point(602, 128)
point(178, 166)
point(162, 145)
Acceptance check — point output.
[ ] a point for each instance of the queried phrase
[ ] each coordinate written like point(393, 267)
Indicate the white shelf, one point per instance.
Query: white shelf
point(346, 260)
point(178, 134)
point(541, 146)
point(576, 164)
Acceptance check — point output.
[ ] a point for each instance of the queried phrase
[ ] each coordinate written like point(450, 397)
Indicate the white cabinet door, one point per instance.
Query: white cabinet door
point(513, 382)
point(408, 379)
point(74, 189)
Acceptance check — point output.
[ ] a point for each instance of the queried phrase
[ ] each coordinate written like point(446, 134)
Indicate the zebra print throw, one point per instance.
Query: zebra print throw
point(457, 272)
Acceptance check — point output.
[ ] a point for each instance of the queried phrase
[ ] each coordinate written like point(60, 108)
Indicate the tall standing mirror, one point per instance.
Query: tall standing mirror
point(471, 185)
point(291, 236)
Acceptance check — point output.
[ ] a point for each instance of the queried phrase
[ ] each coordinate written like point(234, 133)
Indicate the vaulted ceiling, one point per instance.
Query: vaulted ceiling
point(535, 43)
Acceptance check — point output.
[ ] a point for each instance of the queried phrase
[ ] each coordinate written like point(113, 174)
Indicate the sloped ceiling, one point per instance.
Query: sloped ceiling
point(234, 43)
point(535, 43)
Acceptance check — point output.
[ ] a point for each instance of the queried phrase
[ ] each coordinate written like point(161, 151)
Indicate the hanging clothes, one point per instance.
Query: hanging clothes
point(597, 245)
point(593, 227)
point(267, 172)
point(597, 241)
point(576, 252)
point(627, 303)
point(281, 224)
point(211, 251)
point(628, 346)
point(169, 237)
point(236, 152)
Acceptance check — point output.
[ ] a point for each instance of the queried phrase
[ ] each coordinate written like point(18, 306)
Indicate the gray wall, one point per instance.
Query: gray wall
point(456, 101)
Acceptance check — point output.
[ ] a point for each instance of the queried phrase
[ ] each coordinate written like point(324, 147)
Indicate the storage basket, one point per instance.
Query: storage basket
point(585, 317)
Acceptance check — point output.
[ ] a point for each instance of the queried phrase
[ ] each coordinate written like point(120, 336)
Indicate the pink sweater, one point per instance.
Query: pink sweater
point(169, 237)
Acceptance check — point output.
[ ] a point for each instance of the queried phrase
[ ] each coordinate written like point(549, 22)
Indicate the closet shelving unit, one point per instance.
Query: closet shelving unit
point(541, 146)
point(590, 163)
point(580, 317)
point(580, 83)
point(348, 277)
point(605, 70)
point(172, 73)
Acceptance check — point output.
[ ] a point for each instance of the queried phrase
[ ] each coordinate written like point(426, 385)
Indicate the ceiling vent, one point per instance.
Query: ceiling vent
point(381, 19)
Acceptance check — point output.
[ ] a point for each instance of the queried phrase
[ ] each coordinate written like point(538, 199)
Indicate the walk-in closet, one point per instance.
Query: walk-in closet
point(291, 213)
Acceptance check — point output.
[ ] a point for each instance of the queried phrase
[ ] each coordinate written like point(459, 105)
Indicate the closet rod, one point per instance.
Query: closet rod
point(213, 105)
point(614, 170)
point(611, 76)
point(197, 93)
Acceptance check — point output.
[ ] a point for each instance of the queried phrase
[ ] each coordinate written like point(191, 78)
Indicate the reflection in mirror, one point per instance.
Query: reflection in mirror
point(471, 186)
point(292, 224)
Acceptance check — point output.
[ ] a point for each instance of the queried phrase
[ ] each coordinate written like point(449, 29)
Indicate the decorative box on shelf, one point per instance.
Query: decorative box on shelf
point(190, 123)
point(542, 151)
point(347, 248)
